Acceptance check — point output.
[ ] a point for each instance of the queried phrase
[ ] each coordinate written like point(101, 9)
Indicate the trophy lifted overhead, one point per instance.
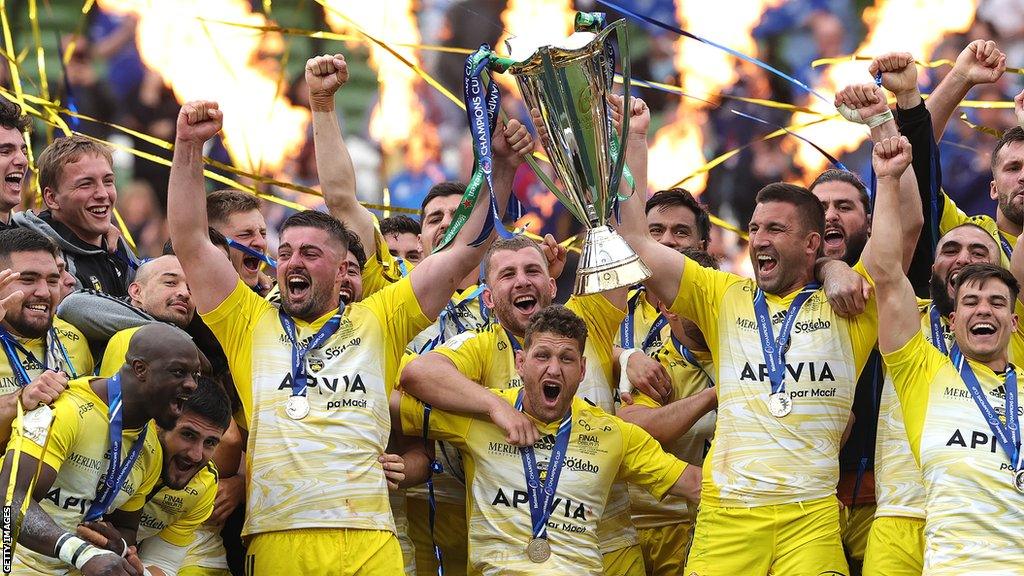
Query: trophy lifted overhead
point(568, 81)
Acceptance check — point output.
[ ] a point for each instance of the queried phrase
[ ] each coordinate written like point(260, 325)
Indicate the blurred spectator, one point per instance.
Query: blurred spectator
point(84, 90)
point(153, 111)
point(113, 39)
point(422, 169)
point(138, 207)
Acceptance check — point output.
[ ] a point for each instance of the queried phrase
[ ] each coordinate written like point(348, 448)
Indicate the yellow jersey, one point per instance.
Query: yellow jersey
point(381, 268)
point(953, 216)
point(320, 471)
point(114, 354)
point(465, 313)
point(71, 340)
point(174, 515)
point(692, 447)
point(899, 487)
point(757, 459)
point(972, 514)
point(78, 450)
point(602, 450)
point(487, 356)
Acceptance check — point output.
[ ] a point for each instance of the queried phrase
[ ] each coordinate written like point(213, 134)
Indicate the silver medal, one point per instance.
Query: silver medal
point(297, 407)
point(538, 550)
point(779, 404)
point(1018, 480)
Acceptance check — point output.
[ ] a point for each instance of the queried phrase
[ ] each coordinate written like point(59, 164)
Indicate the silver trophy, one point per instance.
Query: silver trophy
point(569, 82)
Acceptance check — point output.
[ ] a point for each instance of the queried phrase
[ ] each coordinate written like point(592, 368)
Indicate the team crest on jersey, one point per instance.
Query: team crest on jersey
point(315, 365)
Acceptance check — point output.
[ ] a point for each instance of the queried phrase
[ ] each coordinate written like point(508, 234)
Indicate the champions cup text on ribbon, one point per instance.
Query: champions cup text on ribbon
point(541, 493)
point(1007, 433)
point(774, 349)
point(117, 472)
point(482, 106)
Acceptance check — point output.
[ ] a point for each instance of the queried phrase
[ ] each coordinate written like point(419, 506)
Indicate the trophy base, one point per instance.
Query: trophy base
point(607, 262)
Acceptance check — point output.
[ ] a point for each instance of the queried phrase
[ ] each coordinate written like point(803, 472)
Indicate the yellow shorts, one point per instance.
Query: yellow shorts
point(628, 561)
point(664, 547)
point(856, 523)
point(200, 571)
point(450, 534)
point(324, 552)
point(895, 547)
point(795, 539)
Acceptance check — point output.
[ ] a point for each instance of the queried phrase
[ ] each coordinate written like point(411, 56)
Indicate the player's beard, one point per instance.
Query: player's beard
point(1009, 209)
point(855, 243)
point(940, 295)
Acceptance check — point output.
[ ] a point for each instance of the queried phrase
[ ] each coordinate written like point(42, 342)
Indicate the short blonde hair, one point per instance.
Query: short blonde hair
point(64, 151)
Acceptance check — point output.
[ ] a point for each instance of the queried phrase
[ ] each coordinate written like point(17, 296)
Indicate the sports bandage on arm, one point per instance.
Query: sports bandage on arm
point(77, 552)
point(625, 387)
point(871, 121)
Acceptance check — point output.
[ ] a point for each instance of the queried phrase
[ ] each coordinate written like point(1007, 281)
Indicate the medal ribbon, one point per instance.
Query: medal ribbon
point(250, 251)
point(299, 352)
point(1009, 433)
point(117, 472)
point(56, 356)
point(516, 346)
point(938, 334)
point(482, 105)
point(541, 497)
point(626, 336)
point(688, 355)
point(775, 349)
point(451, 311)
point(1007, 249)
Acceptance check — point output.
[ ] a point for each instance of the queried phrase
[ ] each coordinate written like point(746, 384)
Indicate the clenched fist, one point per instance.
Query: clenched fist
point(198, 121)
point(324, 76)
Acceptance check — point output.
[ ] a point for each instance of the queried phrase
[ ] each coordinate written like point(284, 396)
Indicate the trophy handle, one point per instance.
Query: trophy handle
point(620, 162)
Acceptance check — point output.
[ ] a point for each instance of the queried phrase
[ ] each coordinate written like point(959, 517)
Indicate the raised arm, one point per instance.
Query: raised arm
point(211, 276)
point(436, 381)
point(870, 107)
point(435, 278)
point(981, 62)
point(665, 263)
point(898, 319)
point(325, 75)
point(669, 422)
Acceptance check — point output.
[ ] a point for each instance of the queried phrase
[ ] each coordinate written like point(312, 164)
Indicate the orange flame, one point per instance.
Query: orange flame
point(201, 60)
point(677, 149)
point(543, 19)
point(914, 26)
point(398, 113)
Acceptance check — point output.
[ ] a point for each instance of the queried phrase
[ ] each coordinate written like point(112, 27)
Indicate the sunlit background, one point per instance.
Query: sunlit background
point(129, 64)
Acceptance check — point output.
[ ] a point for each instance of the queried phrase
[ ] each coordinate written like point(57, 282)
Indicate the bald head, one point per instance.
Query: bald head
point(158, 340)
point(161, 291)
point(164, 363)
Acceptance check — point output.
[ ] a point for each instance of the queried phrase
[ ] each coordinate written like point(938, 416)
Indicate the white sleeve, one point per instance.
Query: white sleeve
point(159, 553)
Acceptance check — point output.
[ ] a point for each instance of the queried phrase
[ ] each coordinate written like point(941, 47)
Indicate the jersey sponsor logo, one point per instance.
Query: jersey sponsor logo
point(86, 462)
point(320, 383)
point(151, 522)
point(335, 351)
point(68, 502)
point(812, 326)
point(746, 324)
point(67, 335)
point(502, 345)
point(563, 507)
point(799, 372)
point(501, 448)
point(973, 439)
point(581, 465)
point(347, 403)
